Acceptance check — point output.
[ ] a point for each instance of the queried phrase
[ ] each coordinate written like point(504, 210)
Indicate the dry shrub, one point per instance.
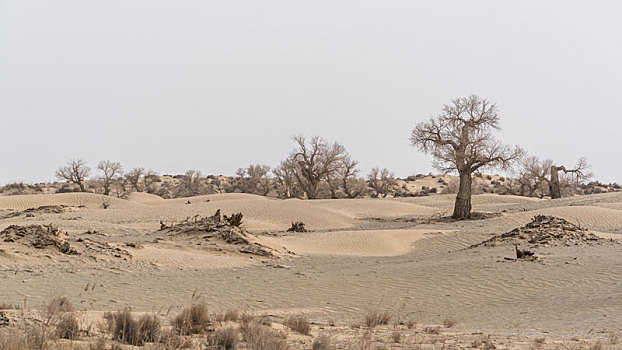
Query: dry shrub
point(171, 340)
point(99, 344)
point(193, 319)
point(58, 305)
point(323, 342)
point(537, 343)
point(149, 328)
point(488, 344)
point(376, 318)
point(68, 326)
point(299, 324)
point(108, 325)
point(231, 316)
point(224, 338)
point(410, 324)
point(449, 322)
point(396, 337)
point(14, 339)
point(260, 337)
point(126, 328)
point(432, 330)
point(597, 346)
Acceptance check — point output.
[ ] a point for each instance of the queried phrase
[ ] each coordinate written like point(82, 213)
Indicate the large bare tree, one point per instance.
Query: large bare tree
point(254, 179)
point(111, 171)
point(460, 139)
point(75, 171)
point(544, 175)
point(381, 181)
point(573, 176)
point(314, 161)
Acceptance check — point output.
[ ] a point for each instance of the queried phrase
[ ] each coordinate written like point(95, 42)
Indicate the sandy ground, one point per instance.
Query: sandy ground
point(390, 254)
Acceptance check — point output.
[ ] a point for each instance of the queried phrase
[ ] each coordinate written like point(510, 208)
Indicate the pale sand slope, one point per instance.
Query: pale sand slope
point(350, 243)
point(143, 213)
point(373, 208)
point(88, 200)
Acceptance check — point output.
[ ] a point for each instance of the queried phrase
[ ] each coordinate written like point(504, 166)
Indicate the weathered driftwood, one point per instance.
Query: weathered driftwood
point(297, 226)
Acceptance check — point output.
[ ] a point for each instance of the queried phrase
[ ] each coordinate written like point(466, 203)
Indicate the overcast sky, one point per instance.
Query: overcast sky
point(217, 85)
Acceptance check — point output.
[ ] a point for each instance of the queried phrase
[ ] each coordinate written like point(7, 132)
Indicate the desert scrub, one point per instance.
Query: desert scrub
point(193, 320)
point(224, 338)
point(299, 324)
point(377, 318)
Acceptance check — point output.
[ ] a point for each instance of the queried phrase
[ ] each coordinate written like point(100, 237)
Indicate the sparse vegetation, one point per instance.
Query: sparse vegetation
point(299, 324)
point(377, 318)
point(322, 342)
point(259, 337)
point(224, 338)
point(193, 319)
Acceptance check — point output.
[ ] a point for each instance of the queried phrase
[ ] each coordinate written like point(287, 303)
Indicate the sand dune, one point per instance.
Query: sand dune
point(376, 208)
point(88, 200)
point(357, 243)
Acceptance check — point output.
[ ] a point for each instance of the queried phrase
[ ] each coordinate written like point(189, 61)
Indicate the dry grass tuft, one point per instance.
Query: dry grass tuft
point(537, 343)
point(396, 337)
point(323, 342)
point(14, 339)
point(432, 330)
point(68, 326)
point(231, 316)
point(149, 328)
point(58, 305)
point(299, 324)
point(224, 338)
point(597, 346)
point(449, 322)
point(193, 319)
point(126, 328)
point(377, 318)
point(260, 337)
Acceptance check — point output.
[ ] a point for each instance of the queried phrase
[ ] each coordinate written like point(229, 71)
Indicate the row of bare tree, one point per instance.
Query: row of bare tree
point(460, 139)
point(111, 177)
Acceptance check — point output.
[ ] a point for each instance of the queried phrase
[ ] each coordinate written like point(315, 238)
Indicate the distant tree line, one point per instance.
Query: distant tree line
point(460, 140)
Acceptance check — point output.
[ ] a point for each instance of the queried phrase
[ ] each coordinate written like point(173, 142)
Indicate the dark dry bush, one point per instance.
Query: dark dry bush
point(68, 327)
point(224, 338)
point(193, 319)
point(260, 337)
point(322, 342)
point(126, 328)
point(149, 328)
point(299, 324)
point(376, 318)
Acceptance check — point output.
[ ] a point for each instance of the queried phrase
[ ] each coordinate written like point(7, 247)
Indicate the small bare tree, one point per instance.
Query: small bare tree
point(254, 179)
point(75, 171)
point(133, 177)
point(285, 179)
point(149, 179)
point(191, 184)
point(381, 181)
point(110, 172)
point(460, 139)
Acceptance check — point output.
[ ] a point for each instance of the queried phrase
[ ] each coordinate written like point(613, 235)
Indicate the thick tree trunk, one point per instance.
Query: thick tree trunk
point(462, 208)
point(81, 185)
point(311, 190)
point(554, 187)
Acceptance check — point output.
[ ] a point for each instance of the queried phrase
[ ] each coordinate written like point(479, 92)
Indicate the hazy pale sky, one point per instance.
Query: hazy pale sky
point(217, 85)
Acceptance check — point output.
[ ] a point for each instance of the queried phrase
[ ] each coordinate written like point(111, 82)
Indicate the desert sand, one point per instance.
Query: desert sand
point(397, 255)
